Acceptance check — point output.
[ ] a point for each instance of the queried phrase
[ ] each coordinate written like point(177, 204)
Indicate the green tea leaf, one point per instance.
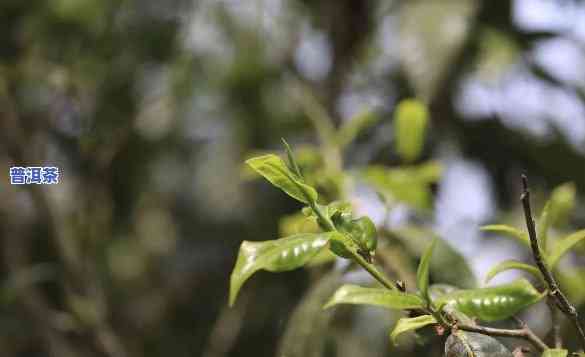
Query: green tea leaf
point(348, 132)
point(275, 170)
point(508, 231)
point(513, 264)
point(291, 159)
point(409, 324)
point(555, 353)
point(562, 246)
point(410, 120)
point(422, 274)
point(275, 256)
point(493, 303)
point(390, 299)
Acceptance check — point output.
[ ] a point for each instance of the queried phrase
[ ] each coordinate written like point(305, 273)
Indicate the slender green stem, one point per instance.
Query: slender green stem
point(374, 272)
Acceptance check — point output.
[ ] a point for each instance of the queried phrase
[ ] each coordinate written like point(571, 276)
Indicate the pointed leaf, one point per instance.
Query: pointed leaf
point(410, 120)
point(390, 299)
point(556, 352)
point(274, 169)
point(275, 256)
point(513, 264)
point(562, 246)
point(291, 159)
point(422, 274)
point(409, 324)
point(493, 303)
point(508, 231)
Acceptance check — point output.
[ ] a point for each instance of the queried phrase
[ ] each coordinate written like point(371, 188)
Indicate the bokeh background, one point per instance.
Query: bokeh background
point(149, 109)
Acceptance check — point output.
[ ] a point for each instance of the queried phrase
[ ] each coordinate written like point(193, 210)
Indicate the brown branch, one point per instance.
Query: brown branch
point(560, 299)
point(523, 333)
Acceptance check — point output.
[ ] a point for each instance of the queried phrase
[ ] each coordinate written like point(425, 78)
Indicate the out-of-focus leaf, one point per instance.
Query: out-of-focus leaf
point(448, 265)
point(557, 352)
point(422, 273)
point(571, 282)
point(471, 344)
point(18, 282)
point(508, 231)
point(390, 299)
point(562, 246)
point(429, 40)
point(275, 256)
point(297, 223)
point(306, 332)
point(543, 225)
point(410, 123)
point(409, 324)
point(348, 132)
point(562, 202)
point(410, 185)
point(493, 303)
point(510, 265)
point(275, 170)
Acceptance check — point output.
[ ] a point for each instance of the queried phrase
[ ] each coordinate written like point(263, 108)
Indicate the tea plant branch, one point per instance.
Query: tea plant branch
point(524, 333)
point(561, 300)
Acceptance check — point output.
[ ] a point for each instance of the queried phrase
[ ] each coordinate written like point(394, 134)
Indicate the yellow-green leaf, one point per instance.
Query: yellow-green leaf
point(410, 120)
point(508, 231)
point(409, 324)
point(275, 256)
point(493, 303)
point(389, 299)
point(422, 274)
point(557, 352)
point(562, 202)
point(562, 246)
point(510, 265)
point(274, 169)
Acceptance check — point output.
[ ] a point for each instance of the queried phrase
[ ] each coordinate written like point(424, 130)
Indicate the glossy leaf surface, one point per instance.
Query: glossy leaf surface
point(390, 299)
point(508, 231)
point(422, 274)
point(410, 324)
point(562, 246)
point(275, 170)
point(493, 303)
point(275, 256)
point(513, 265)
point(410, 120)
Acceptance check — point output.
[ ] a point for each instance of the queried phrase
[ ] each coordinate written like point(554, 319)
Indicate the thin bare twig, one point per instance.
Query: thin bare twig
point(523, 333)
point(560, 299)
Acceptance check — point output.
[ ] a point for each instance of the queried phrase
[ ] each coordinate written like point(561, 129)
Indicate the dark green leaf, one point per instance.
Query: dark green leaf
point(390, 299)
point(513, 264)
point(275, 170)
point(422, 274)
point(410, 123)
point(409, 324)
point(508, 231)
point(493, 303)
point(562, 246)
point(275, 256)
